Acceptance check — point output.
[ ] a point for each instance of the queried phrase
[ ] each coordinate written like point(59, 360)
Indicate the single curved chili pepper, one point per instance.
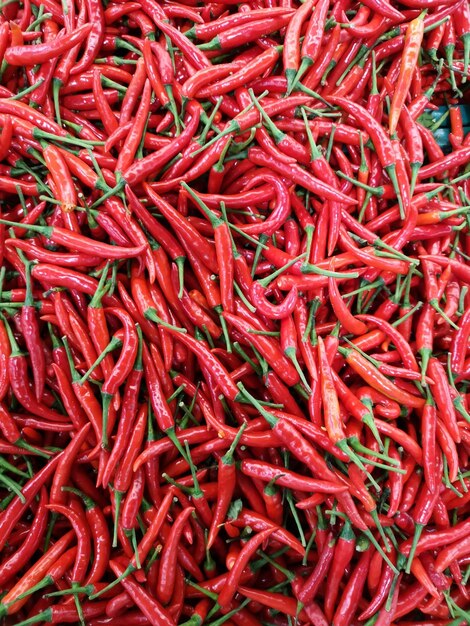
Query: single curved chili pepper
point(85, 395)
point(267, 472)
point(346, 318)
point(353, 590)
point(82, 533)
point(81, 243)
point(438, 167)
point(424, 336)
point(132, 141)
point(246, 553)
point(149, 606)
point(343, 554)
point(153, 74)
point(32, 337)
point(64, 466)
point(95, 11)
point(123, 477)
point(443, 398)
point(167, 570)
point(133, 91)
point(311, 44)
point(385, 584)
point(275, 601)
point(310, 587)
point(208, 30)
point(127, 416)
point(12, 565)
point(103, 106)
point(422, 512)
point(39, 53)
point(226, 479)
point(428, 435)
point(35, 252)
point(123, 365)
point(132, 503)
point(187, 48)
point(239, 35)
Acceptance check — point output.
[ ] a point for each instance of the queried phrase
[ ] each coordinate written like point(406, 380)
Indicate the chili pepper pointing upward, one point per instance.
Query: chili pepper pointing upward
point(413, 39)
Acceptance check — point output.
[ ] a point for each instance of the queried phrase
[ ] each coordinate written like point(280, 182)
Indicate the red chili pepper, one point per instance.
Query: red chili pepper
point(413, 39)
point(251, 70)
point(309, 589)
point(149, 606)
point(64, 467)
point(12, 565)
point(299, 176)
point(242, 34)
point(378, 381)
point(39, 53)
point(167, 570)
point(246, 553)
point(10, 602)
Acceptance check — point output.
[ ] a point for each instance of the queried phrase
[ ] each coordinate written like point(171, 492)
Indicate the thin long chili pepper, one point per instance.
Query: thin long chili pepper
point(18, 375)
point(185, 229)
point(343, 553)
point(226, 482)
point(413, 38)
point(312, 39)
point(95, 36)
point(150, 607)
point(243, 558)
point(64, 467)
point(10, 566)
point(299, 176)
point(39, 53)
point(379, 381)
point(168, 559)
point(10, 602)
point(81, 243)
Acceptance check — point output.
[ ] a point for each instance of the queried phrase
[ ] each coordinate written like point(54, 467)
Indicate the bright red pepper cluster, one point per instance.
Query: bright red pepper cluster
point(235, 312)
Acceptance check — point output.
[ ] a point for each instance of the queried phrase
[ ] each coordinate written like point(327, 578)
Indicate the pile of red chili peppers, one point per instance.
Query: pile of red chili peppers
point(234, 313)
